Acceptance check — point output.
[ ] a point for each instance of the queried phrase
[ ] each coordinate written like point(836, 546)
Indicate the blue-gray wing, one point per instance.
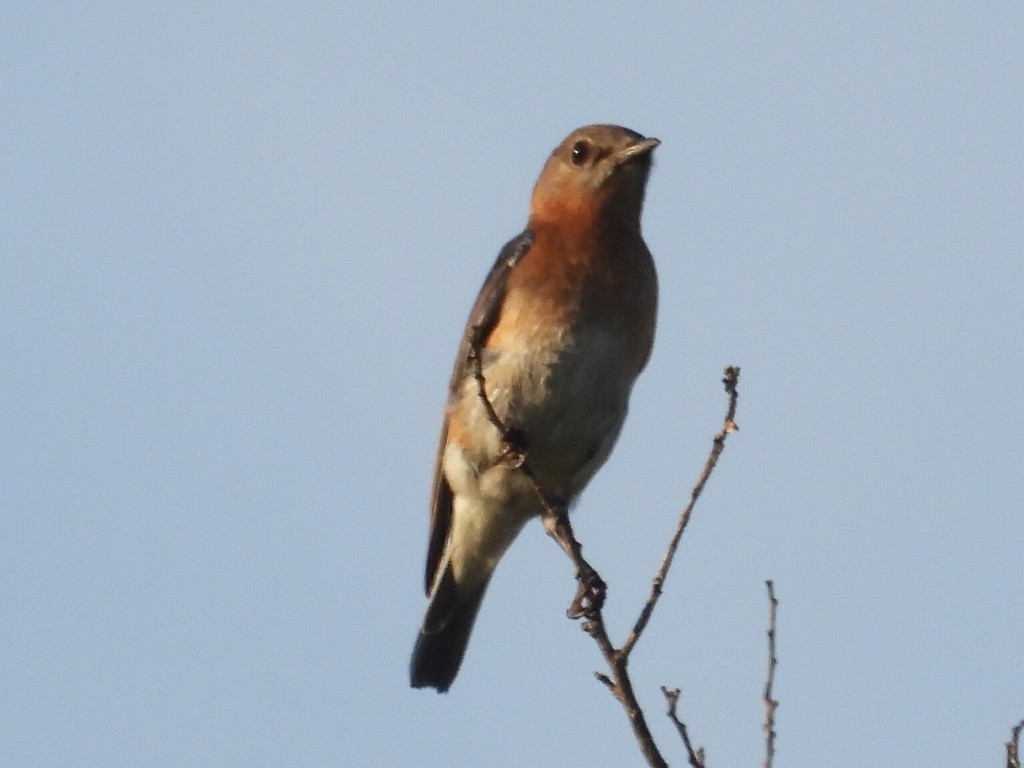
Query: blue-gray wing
point(482, 318)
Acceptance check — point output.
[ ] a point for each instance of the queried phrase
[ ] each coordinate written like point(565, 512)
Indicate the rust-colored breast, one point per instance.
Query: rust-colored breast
point(576, 275)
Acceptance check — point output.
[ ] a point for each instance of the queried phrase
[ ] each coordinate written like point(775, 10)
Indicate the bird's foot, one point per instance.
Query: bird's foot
point(590, 594)
point(513, 447)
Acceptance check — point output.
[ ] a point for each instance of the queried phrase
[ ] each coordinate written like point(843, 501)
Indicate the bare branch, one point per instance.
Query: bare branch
point(607, 681)
point(591, 588)
point(770, 704)
point(513, 450)
point(696, 757)
point(475, 339)
point(1013, 746)
point(730, 380)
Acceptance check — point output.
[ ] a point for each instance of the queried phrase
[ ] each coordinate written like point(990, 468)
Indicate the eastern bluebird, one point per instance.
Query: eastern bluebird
point(565, 323)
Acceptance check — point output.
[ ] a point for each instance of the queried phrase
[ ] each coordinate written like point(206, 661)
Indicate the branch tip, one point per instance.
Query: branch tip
point(770, 703)
point(1013, 746)
point(696, 757)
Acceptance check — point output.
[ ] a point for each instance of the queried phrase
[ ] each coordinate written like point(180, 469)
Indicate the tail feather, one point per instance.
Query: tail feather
point(445, 633)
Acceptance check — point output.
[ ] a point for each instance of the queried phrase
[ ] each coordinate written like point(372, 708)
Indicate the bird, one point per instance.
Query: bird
point(562, 327)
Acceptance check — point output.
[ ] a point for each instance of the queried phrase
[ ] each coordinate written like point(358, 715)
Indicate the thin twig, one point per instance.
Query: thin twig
point(730, 380)
point(1013, 746)
point(475, 339)
point(590, 594)
point(770, 704)
point(696, 757)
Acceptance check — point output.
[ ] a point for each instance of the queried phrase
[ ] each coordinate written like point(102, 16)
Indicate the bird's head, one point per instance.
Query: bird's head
point(597, 171)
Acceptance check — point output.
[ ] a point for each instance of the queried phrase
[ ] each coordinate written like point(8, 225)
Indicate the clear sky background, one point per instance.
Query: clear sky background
point(239, 242)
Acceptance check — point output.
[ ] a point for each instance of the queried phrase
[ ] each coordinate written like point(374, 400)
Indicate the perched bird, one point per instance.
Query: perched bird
point(565, 323)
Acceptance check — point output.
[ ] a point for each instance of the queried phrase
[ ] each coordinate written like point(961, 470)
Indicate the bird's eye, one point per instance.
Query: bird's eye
point(580, 153)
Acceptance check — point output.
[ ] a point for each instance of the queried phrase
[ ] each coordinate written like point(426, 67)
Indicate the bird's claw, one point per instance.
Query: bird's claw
point(590, 594)
point(513, 447)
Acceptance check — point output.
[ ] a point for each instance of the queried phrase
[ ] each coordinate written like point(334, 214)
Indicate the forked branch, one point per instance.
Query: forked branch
point(590, 593)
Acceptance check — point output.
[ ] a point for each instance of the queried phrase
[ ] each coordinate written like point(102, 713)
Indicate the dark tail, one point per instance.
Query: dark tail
point(445, 632)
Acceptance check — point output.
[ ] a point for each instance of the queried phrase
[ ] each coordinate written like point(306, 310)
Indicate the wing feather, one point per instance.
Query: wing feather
point(483, 316)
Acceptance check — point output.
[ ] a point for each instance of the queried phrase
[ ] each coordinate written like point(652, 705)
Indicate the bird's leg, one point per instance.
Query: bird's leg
point(513, 447)
point(591, 588)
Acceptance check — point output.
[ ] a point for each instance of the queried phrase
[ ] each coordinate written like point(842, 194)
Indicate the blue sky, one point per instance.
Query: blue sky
point(238, 246)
